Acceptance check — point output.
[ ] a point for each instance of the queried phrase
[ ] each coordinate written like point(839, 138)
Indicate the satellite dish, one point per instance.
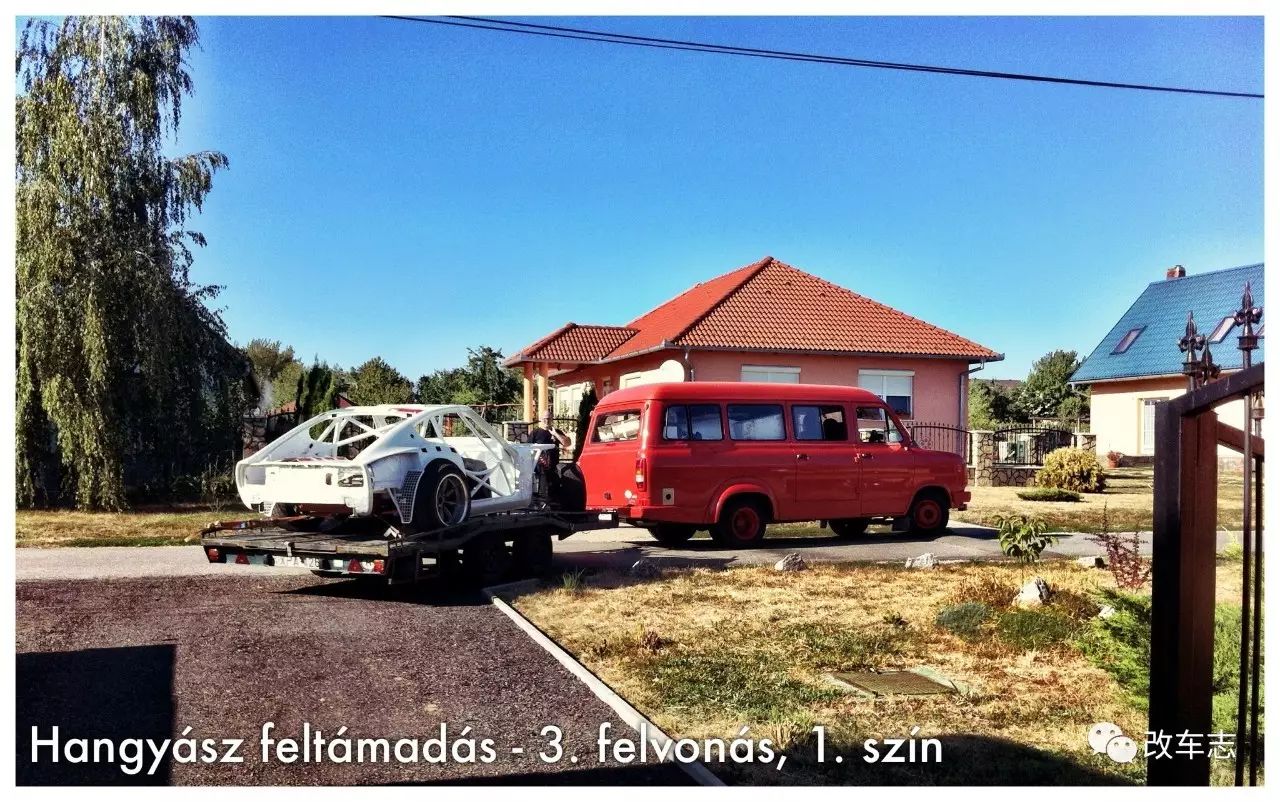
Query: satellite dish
point(670, 371)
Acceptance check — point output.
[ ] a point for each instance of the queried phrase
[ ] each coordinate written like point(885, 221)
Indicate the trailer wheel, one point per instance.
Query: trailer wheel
point(443, 498)
point(850, 527)
point(532, 554)
point(485, 560)
point(672, 535)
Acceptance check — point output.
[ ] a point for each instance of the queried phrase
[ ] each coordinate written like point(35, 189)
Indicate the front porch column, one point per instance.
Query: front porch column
point(543, 410)
point(527, 398)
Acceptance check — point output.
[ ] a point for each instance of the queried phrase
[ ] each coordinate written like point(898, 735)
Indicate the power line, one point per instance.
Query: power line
point(607, 37)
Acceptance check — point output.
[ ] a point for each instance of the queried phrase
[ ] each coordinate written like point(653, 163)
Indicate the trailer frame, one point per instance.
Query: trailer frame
point(486, 548)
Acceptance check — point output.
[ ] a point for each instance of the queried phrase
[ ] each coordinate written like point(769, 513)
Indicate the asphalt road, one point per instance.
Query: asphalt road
point(606, 548)
point(147, 658)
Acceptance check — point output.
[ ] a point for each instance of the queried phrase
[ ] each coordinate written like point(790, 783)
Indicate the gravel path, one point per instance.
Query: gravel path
point(146, 658)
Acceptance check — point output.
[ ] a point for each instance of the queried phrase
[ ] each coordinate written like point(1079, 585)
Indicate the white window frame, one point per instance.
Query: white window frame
point(568, 397)
point(1145, 447)
point(866, 375)
point(778, 374)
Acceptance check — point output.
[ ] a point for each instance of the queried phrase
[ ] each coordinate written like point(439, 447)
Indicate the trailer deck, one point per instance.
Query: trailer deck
point(486, 548)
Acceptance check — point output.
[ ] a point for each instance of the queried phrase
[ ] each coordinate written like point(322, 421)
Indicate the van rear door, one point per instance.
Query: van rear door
point(610, 456)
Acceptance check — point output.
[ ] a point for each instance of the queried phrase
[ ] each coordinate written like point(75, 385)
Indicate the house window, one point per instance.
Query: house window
point(1223, 329)
point(1149, 425)
point(1127, 340)
point(756, 422)
point(894, 386)
point(770, 373)
point(568, 397)
point(630, 379)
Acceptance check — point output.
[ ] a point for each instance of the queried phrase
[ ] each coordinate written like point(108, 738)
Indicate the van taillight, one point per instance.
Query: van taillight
point(640, 469)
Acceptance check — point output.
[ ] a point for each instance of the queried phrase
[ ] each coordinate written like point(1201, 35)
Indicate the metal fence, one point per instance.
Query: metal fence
point(942, 437)
point(1028, 445)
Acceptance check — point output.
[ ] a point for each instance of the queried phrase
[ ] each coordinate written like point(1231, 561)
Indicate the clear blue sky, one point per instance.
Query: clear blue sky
point(408, 190)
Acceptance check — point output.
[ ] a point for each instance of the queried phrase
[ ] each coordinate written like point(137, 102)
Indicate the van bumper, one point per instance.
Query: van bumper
point(960, 501)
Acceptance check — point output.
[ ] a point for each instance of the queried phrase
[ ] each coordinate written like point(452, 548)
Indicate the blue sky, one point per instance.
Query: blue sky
point(408, 190)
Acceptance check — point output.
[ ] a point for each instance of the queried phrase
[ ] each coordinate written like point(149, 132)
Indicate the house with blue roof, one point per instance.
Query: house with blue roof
point(1138, 363)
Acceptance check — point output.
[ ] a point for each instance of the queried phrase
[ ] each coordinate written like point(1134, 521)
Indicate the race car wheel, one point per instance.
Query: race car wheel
point(442, 499)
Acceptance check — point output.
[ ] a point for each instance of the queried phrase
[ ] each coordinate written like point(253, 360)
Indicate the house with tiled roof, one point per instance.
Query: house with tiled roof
point(1138, 363)
point(765, 322)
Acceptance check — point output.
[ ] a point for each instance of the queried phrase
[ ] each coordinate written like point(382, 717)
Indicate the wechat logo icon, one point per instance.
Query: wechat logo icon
point(1107, 739)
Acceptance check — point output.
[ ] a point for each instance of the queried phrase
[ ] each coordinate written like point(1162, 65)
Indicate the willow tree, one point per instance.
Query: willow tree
point(125, 376)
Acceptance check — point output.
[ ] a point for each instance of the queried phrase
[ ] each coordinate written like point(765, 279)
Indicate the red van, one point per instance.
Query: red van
point(733, 457)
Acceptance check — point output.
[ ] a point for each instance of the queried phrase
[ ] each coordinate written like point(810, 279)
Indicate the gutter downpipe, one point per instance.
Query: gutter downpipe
point(964, 393)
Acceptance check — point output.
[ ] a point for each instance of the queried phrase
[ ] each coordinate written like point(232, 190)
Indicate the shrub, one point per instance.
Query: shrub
point(965, 619)
point(1124, 555)
point(1071, 469)
point(1121, 643)
point(1034, 629)
point(1048, 494)
point(1023, 537)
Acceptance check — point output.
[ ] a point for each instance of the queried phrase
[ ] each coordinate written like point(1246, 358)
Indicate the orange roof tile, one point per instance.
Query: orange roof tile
point(766, 305)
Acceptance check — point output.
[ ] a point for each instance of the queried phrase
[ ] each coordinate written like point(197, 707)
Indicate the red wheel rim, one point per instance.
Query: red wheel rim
point(928, 513)
point(745, 523)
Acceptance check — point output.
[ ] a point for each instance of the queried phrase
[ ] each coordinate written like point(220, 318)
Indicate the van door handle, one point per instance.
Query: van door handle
point(802, 456)
point(861, 455)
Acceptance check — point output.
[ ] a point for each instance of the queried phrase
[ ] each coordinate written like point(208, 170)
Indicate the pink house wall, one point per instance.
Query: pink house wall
point(938, 386)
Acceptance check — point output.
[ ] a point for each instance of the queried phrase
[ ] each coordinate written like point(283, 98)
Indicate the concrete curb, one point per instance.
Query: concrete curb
point(698, 772)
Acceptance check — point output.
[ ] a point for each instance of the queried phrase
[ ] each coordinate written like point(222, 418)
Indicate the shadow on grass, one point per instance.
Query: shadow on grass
point(115, 694)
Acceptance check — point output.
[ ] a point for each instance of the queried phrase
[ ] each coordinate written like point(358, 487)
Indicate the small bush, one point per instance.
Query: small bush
point(1232, 553)
point(1034, 629)
point(1071, 469)
point(1124, 554)
point(964, 619)
point(573, 581)
point(184, 488)
point(1121, 642)
point(1023, 537)
point(1048, 494)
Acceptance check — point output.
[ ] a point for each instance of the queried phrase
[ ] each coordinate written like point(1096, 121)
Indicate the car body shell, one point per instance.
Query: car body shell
point(367, 460)
point(634, 460)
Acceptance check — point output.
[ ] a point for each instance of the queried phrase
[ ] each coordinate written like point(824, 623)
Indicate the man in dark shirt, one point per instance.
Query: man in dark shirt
point(548, 461)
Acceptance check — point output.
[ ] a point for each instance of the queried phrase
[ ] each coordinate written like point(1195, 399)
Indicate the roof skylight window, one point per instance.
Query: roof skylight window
point(1223, 329)
point(1127, 340)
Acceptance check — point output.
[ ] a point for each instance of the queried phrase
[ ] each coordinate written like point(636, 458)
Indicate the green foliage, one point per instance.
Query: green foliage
point(992, 406)
point(316, 391)
point(586, 406)
point(376, 382)
point(124, 375)
point(750, 686)
point(964, 619)
point(1048, 494)
point(1120, 643)
point(1023, 537)
point(1046, 393)
point(482, 382)
point(1034, 629)
point(284, 386)
point(269, 360)
point(1072, 469)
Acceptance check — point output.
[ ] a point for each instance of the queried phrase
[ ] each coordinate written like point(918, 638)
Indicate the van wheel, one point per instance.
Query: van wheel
point(671, 535)
point(742, 524)
point(442, 499)
point(929, 513)
point(850, 527)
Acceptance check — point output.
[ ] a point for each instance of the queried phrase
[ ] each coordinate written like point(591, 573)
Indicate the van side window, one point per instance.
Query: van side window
point(814, 422)
point(756, 422)
point(692, 422)
point(874, 426)
point(614, 426)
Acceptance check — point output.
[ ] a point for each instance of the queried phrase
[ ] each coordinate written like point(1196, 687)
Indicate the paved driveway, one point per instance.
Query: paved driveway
point(146, 658)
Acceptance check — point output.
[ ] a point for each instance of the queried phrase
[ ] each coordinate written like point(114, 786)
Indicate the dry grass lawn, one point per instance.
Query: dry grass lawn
point(704, 652)
point(1127, 498)
point(163, 527)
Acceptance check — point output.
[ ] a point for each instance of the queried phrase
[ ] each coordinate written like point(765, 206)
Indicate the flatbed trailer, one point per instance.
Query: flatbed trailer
point(484, 549)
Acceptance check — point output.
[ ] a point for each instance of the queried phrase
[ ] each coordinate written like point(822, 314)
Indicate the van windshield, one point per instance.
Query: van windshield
point(614, 426)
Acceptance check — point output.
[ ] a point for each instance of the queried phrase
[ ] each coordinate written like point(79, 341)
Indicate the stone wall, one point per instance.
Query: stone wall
point(986, 472)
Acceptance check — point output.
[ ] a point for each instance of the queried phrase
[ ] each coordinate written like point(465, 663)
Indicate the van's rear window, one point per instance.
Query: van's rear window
point(692, 422)
point(614, 426)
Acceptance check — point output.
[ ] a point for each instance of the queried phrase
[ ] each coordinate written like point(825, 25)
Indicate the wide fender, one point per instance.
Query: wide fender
point(739, 488)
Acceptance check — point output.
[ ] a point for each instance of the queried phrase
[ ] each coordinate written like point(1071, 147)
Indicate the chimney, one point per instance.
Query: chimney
point(1177, 271)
